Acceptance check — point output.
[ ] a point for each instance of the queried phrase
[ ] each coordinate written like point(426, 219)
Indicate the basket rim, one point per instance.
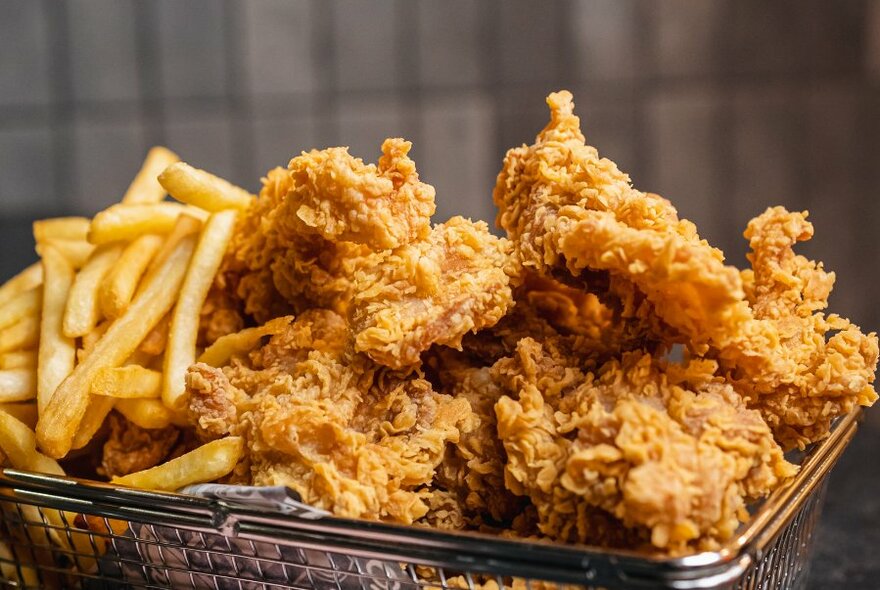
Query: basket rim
point(469, 551)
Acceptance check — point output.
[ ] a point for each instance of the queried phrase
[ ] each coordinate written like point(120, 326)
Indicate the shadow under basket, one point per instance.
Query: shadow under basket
point(68, 533)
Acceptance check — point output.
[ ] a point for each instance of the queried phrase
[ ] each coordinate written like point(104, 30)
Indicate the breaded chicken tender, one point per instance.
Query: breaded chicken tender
point(565, 208)
point(824, 366)
point(351, 437)
point(432, 292)
point(669, 450)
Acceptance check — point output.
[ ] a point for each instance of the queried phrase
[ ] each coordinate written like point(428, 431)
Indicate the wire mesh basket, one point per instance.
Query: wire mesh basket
point(66, 533)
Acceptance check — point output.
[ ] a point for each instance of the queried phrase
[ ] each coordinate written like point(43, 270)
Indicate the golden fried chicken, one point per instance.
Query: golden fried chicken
point(334, 233)
point(669, 450)
point(433, 291)
point(824, 365)
point(471, 475)
point(349, 436)
point(565, 208)
point(568, 211)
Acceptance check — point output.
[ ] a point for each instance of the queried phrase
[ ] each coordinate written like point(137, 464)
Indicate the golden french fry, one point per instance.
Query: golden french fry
point(130, 381)
point(77, 252)
point(21, 306)
point(20, 446)
point(82, 312)
point(98, 408)
point(145, 188)
point(62, 417)
point(120, 283)
point(20, 336)
point(180, 351)
point(61, 228)
point(26, 280)
point(241, 342)
point(126, 222)
point(90, 340)
point(17, 385)
point(18, 359)
point(57, 352)
point(203, 189)
point(145, 412)
point(186, 225)
point(24, 412)
point(206, 463)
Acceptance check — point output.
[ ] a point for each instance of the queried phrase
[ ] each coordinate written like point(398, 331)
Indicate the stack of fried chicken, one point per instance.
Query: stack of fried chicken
point(599, 376)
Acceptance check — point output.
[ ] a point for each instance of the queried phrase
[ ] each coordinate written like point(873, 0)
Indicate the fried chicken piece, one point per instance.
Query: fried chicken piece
point(340, 199)
point(348, 435)
point(300, 243)
point(473, 470)
point(131, 448)
point(824, 365)
point(433, 291)
point(670, 451)
point(564, 208)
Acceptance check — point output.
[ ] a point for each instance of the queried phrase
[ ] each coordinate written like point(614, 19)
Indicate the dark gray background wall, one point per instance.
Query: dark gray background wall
point(723, 106)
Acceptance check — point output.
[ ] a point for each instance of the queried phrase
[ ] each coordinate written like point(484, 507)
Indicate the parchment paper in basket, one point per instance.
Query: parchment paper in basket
point(178, 558)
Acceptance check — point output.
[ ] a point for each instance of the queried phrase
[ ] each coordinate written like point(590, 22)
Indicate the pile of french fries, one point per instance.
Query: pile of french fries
point(108, 319)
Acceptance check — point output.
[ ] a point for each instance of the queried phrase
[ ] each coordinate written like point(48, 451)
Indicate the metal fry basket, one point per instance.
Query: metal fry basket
point(66, 533)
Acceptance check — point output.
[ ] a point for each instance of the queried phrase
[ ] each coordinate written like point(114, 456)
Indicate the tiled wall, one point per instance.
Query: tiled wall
point(724, 106)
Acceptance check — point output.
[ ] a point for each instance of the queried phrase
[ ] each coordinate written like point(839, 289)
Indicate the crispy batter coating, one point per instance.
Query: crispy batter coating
point(351, 437)
point(432, 292)
point(472, 473)
point(669, 450)
point(564, 207)
point(340, 199)
point(824, 365)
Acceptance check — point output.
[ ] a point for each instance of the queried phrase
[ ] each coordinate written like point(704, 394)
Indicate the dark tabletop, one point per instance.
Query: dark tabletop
point(847, 550)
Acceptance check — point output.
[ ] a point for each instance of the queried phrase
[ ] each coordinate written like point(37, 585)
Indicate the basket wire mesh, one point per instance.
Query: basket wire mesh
point(65, 533)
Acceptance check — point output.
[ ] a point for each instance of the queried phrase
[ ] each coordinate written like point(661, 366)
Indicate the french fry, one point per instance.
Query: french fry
point(98, 408)
point(20, 336)
point(20, 446)
point(24, 412)
point(18, 359)
point(130, 381)
point(77, 252)
point(180, 351)
point(21, 306)
point(90, 340)
point(203, 189)
point(126, 222)
point(206, 463)
point(26, 280)
point(57, 352)
point(120, 283)
point(144, 412)
point(145, 188)
point(17, 385)
point(241, 342)
point(186, 225)
point(61, 228)
point(61, 419)
point(82, 312)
